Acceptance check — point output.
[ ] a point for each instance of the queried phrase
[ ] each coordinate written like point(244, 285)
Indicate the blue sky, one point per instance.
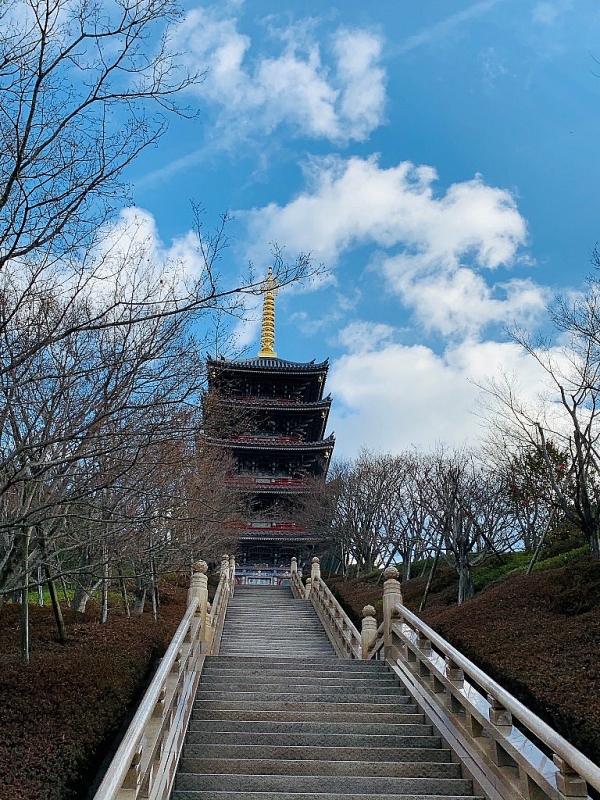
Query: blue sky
point(442, 159)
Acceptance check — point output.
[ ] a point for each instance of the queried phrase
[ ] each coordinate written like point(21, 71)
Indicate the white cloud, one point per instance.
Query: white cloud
point(338, 98)
point(131, 261)
point(460, 303)
point(432, 245)
point(548, 13)
point(391, 397)
point(355, 201)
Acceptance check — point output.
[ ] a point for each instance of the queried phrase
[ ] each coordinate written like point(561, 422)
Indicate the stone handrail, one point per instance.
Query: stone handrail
point(343, 634)
point(375, 650)
point(146, 760)
point(482, 712)
point(296, 584)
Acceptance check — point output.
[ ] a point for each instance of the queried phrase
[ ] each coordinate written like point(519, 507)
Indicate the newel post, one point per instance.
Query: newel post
point(368, 632)
point(392, 596)
point(224, 565)
point(307, 589)
point(231, 575)
point(199, 589)
point(315, 570)
point(294, 566)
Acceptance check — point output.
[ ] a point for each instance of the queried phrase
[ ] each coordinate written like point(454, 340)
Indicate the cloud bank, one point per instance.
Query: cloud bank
point(334, 91)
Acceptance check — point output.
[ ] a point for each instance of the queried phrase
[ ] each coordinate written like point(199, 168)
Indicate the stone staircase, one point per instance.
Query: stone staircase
point(267, 621)
point(277, 715)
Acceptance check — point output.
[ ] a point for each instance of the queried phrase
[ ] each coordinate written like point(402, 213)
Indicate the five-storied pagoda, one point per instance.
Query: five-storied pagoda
point(272, 421)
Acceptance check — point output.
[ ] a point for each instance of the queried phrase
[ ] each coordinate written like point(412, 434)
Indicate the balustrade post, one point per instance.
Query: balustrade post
point(224, 565)
point(294, 566)
point(199, 589)
point(498, 715)
point(307, 589)
point(231, 575)
point(131, 781)
point(453, 672)
point(368, 632)
point(315, 570)
point(392, 596)
point(568, 781)
point(208, 630)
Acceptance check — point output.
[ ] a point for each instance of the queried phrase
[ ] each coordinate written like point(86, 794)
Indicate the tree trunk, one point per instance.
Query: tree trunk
point(105, 583)
point(123, 586)
point(58, 615)
point(25, 601)
point(139, 597)
point(431, 574)
point(594, 540)
point(40, 587)
point(466, 590)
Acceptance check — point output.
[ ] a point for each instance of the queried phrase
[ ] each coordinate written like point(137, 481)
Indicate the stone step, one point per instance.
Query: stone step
point(400, 705)
point(259, 677)
point(261, 766)
point(313, 753)
point(278, 716)
point(321, 727)
point(218, 795)
point(352, 784)
point(243, 714)
point(314, 739)
point(324, 662)
point(257, 660)
point(295, 698)
point(293, 671)
point(298, 685)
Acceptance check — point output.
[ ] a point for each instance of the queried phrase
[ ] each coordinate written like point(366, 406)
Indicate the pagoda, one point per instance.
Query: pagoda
point(271, 419)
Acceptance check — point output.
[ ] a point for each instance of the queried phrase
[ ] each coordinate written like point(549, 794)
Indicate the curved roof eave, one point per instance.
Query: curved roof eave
point(268, 365)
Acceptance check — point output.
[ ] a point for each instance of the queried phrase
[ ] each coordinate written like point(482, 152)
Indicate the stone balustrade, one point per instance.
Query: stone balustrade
point(344, 636)
point(490, 729)
point(296, 584)
point(146, 760)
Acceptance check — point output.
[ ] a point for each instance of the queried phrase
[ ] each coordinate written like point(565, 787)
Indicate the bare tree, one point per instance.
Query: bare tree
point(81, 83)
point(365, 487)
point(566, 421)
point(469, 512)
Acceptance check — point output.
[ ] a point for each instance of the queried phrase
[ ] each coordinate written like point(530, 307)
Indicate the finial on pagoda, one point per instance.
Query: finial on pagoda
point(267, 333)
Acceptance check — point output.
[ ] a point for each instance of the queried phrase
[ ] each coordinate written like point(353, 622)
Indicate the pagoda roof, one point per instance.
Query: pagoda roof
point(285, 443)
point(280, 403)
point(268, 365)
point(258, 484)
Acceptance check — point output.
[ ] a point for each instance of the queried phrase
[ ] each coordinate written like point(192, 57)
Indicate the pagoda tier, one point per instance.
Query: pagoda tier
point(268, 378)
point(274, 531)
point(277, 455)
point(277, 417)
point(261, 484)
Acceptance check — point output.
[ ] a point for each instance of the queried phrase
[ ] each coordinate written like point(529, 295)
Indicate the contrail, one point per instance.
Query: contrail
point(441, 28)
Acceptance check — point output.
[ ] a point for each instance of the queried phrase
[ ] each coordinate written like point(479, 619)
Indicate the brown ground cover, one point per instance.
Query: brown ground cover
point(537, 635)
point(59, 715)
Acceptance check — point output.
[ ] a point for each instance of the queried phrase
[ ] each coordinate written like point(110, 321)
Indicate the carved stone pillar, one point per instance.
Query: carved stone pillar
point(315, 570)
point(392, 596)
point(231, 575)
point(368, 633)
point(199, 589)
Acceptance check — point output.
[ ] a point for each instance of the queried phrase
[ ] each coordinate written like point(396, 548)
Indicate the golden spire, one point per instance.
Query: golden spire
point(267, 333)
